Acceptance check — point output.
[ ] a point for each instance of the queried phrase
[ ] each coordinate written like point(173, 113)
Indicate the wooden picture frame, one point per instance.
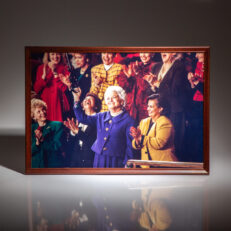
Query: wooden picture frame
point(194, 159)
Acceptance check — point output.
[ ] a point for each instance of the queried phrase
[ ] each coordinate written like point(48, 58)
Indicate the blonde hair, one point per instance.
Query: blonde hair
point(37, 103)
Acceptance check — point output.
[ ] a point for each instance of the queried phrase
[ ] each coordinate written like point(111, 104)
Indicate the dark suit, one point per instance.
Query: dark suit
point(175, 88)
point(82, 155)
point(84, 81)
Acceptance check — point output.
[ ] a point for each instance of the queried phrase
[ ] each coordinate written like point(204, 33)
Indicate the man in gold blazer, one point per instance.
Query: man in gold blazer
point(155, 134)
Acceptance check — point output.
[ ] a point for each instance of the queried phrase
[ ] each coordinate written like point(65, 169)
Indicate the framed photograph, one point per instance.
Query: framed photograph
point(117, 110)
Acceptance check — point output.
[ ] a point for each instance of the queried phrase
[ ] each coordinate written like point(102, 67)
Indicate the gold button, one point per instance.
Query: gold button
point(110, 224)
point(105, 208)
point(107, 217)
point(106, 129)
point(105, 138)
point(105, 149)
point(110, 121)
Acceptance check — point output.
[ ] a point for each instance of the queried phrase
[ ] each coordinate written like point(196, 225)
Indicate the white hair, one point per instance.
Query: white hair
point(120, 92)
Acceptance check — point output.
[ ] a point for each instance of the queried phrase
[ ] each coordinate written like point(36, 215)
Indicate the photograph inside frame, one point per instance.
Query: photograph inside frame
point(141, 110)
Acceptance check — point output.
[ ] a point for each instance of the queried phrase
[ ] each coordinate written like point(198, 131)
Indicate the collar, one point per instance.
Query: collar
point(116, 114)
point(107, 67)
point(162, 74)
point(117, 118)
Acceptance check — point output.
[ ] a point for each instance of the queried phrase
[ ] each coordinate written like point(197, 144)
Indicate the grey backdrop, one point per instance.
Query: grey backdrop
point(114, 23)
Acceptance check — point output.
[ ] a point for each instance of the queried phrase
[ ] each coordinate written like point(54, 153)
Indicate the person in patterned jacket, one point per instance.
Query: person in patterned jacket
point(103, 76)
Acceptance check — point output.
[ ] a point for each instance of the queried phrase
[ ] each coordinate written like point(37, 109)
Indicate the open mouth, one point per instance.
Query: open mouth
point(87, 103)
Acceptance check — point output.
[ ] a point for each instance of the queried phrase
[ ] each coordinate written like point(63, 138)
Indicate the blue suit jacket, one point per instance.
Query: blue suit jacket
point(113, 133)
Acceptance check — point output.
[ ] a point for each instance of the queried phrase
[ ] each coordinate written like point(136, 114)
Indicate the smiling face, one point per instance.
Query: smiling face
point(40, 114)
point(88, 104)
point(107, 58)
point(80, 60)
point(153, 110)
point(113, 102)
point(145, 57)
point(55, 58)
point(167, 57)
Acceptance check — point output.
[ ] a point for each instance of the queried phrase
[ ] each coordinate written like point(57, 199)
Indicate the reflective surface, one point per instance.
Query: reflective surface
point(115, 206)
point(102, 203)
point(81, 202)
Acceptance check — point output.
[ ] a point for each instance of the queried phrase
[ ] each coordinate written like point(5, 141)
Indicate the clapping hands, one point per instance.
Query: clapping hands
point(38, 136)
point(136, 134)
point(97, 80)
point(131, 69)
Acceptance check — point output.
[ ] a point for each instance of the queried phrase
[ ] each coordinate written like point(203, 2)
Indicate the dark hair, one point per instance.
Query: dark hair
point(114, 54)
point(161, 102)
point(98, 103)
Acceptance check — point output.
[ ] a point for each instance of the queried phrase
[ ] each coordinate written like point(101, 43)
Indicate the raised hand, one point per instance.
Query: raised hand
point(128, 70)
point(156, 84)
point(52, 66)
point(72, 125)
point(97, 80)
point(150, 78)
point(135, 67)
point(76, 94)
point(192, 80)
point(44, 71)
point(66, 80)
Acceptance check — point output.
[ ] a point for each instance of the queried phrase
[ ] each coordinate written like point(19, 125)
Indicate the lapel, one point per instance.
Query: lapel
point(115, 119)
point(168, 76)
point(152, 130)
point(47, 129)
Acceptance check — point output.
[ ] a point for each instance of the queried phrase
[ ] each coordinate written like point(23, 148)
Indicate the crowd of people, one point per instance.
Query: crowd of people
point(101, 109)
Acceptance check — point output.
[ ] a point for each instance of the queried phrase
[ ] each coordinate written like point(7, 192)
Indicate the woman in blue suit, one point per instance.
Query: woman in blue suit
point(113, 145)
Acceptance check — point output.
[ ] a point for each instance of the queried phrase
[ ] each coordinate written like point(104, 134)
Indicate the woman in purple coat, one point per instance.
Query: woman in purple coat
point(113, 145)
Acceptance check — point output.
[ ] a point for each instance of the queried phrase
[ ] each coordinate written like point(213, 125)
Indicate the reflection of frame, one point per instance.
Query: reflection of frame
point(142, 207)
point(156, 121)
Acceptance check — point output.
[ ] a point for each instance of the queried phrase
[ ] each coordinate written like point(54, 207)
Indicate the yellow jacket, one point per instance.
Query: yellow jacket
point(108, 78)
point(155, 214)
point(159, 140)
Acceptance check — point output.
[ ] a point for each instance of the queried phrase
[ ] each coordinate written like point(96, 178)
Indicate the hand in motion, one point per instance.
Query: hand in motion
point(76, 94)
point(136, 134)
point(136, 67)
point(66, 80)
point(38, 136)
point(72, 125)
point(97, 80)
point(128, 70)
point(192, 80)
point(150, 78)
point(156, 84)
point(44, 71)
point(52, 66)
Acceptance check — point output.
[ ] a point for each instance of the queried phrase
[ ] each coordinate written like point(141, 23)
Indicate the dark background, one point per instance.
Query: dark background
point(111, 23)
